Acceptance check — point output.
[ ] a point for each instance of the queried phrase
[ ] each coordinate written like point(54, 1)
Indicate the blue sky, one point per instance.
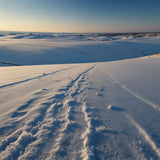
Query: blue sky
point(80, 15)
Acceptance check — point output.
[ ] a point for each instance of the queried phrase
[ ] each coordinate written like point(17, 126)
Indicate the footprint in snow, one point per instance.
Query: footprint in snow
point(40, 92)
point(99, 94)
point(114, 108)
point(102, 89)
point(18, 114)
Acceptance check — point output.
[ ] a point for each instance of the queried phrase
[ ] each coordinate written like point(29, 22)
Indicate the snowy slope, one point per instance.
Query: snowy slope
point(26, 50)
point(104, 110)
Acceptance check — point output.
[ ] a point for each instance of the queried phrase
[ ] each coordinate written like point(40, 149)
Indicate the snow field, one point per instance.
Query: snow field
point(101, 110)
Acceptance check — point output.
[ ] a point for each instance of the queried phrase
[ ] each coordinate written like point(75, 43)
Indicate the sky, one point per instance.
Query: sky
point(80, 15)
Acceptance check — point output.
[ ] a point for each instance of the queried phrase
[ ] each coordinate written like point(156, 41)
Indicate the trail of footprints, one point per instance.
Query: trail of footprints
point(55, 115)
point(54, 124)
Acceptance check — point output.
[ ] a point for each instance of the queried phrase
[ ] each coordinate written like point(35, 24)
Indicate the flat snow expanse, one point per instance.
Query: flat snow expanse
point(105, 108)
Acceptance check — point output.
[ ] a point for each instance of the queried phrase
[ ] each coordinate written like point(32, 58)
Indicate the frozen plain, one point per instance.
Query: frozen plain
point(96, 97)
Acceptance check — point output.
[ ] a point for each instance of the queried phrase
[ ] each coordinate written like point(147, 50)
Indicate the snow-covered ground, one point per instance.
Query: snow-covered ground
point(31, 49)
point(94, 98)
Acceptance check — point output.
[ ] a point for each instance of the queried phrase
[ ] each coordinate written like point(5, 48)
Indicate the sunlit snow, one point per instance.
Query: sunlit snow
point(71, 96)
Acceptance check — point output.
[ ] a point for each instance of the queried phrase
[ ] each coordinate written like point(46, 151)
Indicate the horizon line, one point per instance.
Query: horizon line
point(82, 32)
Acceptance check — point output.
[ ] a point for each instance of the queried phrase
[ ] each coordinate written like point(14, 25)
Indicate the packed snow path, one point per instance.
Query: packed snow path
point(81, 111)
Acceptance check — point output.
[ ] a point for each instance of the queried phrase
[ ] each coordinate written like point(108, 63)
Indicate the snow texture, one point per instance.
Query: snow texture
point(98, 99)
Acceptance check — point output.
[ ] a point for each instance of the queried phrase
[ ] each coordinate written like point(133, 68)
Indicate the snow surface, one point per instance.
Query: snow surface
point(105, 108)
point(25, 49)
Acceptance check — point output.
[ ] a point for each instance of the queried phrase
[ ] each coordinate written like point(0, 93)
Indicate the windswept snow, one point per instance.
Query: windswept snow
point(62, 49)
point(106, 108)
